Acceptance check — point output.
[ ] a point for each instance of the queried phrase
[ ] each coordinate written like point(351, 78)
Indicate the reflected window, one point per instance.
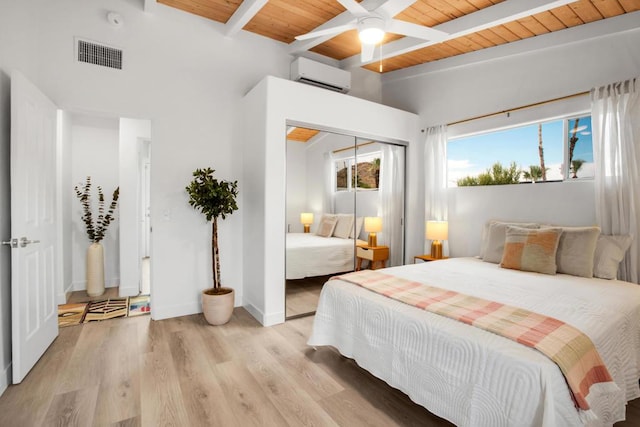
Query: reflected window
point(361, 176)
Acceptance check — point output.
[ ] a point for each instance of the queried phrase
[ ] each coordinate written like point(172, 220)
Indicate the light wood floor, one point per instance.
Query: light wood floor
point(183, 372)
point(302, 295)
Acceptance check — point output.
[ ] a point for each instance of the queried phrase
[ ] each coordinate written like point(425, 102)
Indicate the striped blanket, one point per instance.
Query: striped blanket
point(567, 347)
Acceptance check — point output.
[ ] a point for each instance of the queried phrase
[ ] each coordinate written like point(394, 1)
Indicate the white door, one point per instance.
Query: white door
point(34, 313)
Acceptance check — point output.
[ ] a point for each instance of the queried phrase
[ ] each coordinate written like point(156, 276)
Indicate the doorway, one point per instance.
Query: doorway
point(116, 153)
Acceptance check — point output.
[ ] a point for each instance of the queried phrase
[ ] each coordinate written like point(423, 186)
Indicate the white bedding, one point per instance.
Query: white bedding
point(473, 377)
point(309, 255)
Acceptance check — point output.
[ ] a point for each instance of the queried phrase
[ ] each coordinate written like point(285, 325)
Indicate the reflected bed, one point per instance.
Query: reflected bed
point(309, 255)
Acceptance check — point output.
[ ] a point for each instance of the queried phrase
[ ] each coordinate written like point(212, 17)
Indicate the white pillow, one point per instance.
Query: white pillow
point(344, 227)
point(610, 250)
point(327, 224)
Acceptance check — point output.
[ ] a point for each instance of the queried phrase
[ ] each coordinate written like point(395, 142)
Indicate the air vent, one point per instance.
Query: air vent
point(97, 54)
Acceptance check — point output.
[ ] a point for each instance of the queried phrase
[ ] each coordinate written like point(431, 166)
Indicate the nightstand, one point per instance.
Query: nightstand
point(427, 258)
point(377, 256)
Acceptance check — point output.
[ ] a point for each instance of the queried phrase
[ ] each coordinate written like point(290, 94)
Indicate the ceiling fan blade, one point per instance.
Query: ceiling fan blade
point(354, 8)
point(327, 31)
point(394, 7)
point(367, 52)
point(414, 30)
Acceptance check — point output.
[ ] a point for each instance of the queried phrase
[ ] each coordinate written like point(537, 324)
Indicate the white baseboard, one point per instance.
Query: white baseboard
point(5, 378)
point(63, 297)
point(82, 284)
point(159, 313)
point(128, 292)
point(265, 320)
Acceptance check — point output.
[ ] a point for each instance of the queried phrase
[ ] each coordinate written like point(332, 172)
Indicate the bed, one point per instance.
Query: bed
point(472, 377)
point(310, 255)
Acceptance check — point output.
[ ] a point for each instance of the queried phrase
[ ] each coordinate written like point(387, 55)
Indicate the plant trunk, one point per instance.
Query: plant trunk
point(572, 143)
point(541, 153)
point(215, 255)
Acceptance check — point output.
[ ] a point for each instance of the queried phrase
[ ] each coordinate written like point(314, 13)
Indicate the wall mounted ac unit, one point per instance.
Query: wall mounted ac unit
point(321, 75)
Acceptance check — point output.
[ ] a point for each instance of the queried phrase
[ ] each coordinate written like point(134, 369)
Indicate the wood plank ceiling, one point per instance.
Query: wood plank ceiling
point(282, 20)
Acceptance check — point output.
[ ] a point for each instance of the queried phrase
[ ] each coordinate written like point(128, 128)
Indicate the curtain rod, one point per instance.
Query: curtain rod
point(351, 148)
point(524, 107)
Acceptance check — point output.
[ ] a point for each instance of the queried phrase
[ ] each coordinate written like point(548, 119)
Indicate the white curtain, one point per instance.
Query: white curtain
point(328, 199)
point(615, 116)
point(435, 177)
point(391, 195)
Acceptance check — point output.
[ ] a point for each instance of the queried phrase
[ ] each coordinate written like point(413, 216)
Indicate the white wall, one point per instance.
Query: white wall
point(268, 107)
point(130, 134)
point(555, 203)
point(94, 153)
point(449, 90)
point(66, 196)
point(296, 185)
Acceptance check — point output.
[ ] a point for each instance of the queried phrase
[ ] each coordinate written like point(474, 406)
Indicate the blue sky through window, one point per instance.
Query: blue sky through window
point(473, 155)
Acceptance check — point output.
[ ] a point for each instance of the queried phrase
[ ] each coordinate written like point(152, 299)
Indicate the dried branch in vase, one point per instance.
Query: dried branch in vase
point(97, 230)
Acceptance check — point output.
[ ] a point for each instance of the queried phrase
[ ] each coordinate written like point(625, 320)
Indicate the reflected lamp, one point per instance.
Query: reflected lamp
point(306, 219)
point(372, 225)
point(436, 232)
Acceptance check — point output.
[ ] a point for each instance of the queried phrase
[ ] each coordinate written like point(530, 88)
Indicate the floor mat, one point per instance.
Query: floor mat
point(71, 314)
point(95, 311)
point(107, 309)
point(139, 305)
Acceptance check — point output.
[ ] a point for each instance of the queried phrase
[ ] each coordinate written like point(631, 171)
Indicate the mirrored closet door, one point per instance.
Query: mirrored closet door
point(320, 215)
point(344, 210)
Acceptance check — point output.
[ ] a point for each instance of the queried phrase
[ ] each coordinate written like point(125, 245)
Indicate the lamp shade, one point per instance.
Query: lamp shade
point(306, 218)
point(372, 224)
point(437, 230)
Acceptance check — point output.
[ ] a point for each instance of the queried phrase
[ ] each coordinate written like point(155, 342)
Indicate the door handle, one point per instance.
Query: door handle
point(24, 242)
point(13, 243)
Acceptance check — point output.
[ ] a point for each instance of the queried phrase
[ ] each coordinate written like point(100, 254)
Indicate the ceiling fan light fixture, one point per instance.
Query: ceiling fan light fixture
point(371, 29)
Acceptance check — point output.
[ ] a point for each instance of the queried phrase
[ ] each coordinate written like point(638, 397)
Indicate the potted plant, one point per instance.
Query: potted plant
point(95, 231)
point(214, 199)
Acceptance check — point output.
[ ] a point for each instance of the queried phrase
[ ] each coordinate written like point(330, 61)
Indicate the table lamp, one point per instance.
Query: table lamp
point(437, 231)
point(372, 225)
point(306, 219)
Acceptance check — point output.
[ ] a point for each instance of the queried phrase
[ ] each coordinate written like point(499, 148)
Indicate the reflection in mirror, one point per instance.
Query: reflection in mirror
point(314, 204)
point(380, 166)
point(334, 182)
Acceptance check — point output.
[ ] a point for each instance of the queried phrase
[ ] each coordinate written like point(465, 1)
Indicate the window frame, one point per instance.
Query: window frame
point(565, 118)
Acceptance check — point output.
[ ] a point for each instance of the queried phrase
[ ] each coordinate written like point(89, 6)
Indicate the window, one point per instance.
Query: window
point(549, 151)
point(363, 176)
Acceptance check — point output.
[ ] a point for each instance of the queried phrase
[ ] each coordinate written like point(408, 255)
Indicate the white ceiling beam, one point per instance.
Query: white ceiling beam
point(345, 17)
point(149, 5)
point(501, 13)
point(243, 14)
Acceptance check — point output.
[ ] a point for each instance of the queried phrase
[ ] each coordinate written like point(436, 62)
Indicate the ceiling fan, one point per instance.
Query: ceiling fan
point(373, 24)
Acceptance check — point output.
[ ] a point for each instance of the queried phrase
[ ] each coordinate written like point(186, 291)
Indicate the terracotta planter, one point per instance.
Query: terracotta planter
point(217, 307)
point(95, 270)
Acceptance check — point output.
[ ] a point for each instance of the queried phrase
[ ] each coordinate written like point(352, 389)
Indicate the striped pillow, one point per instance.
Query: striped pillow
point(531, 249)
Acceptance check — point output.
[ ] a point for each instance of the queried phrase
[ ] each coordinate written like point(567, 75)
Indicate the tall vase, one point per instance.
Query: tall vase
point(95, 270)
